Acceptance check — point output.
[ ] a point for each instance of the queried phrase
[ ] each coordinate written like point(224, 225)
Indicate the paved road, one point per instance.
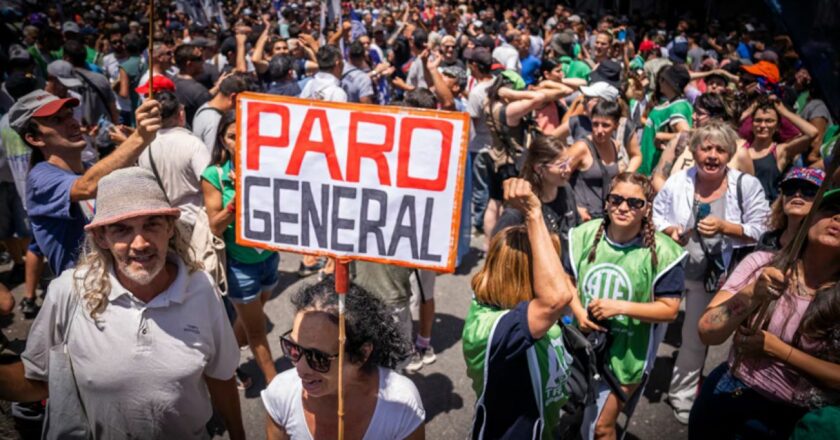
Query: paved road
point(445, 389)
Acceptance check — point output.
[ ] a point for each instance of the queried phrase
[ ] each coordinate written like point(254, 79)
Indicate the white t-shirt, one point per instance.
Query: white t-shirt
point(508, 56)
point(325, 87)
point(399, 410)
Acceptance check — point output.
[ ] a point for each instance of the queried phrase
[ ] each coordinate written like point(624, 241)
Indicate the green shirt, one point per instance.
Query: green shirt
point(242, 254)
point(623, 273)
point(575, 68)
point(90, 54)
point(548, 364)
point(659, 120)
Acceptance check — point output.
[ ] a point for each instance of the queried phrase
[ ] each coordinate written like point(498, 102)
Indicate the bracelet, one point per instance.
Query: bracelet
point(789, 353)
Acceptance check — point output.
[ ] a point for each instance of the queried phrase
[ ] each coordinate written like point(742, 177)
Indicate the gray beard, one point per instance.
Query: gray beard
point(142, 278)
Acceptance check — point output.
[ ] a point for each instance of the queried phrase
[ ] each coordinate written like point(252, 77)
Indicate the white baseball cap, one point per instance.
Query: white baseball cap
point(601, 90)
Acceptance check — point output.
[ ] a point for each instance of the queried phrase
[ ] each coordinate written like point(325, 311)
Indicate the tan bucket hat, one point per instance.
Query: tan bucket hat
point(127, 193)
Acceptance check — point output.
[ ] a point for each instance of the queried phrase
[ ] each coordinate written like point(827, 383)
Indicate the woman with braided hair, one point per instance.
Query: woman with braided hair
point(629, 280)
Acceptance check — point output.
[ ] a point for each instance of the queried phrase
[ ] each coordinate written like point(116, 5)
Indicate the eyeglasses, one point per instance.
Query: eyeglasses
point(562, 164)
point(316, 359)
point(633, 202)
point(806, 190)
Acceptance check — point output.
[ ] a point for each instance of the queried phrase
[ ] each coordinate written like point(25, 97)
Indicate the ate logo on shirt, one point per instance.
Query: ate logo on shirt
point(607, 281)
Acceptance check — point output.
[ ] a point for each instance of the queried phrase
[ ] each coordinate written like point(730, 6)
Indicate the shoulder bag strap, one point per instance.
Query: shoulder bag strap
point(157, 175)
point(740, 194)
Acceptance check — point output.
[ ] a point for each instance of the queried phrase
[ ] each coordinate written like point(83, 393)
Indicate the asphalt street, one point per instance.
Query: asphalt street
point(445, 389)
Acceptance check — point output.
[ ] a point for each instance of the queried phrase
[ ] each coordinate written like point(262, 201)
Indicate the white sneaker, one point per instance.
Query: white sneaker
point(429, 356)
point(420, 358)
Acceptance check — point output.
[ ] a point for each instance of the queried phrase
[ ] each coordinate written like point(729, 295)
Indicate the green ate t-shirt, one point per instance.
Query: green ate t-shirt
point(242, 254)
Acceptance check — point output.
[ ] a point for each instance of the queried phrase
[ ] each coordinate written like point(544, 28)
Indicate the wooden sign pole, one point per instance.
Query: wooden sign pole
point(342, 280)
point(151, 48)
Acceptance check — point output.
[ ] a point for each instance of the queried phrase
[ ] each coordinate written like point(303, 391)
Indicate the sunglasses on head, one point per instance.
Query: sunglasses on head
point(633, 202)
point(316, 359)
point(807, 190)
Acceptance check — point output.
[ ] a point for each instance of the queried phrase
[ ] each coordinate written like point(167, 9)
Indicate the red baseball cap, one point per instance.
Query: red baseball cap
point(647, 46)
point(37, 104)
point(159, 82)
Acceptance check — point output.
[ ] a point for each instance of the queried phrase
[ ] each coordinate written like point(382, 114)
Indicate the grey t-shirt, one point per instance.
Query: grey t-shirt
point(696, 263)
point(356, 83)
point(816, 108)
point(389, 283)
point(205, 124)
point(415, 75)
point(480, 136)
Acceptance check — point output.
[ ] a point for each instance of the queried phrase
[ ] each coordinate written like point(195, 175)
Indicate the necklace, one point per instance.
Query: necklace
point(802, 290)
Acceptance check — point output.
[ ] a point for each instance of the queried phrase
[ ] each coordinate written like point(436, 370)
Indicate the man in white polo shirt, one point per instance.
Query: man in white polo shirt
point(146, 334)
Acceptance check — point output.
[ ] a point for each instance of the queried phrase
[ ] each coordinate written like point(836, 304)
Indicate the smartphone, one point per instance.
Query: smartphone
point(622, 35)
point(703, 211)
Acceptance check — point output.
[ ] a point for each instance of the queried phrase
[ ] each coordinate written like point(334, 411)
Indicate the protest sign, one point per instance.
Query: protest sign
point(357, 181)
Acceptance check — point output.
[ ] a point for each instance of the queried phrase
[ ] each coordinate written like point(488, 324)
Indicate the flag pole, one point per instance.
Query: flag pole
point(151, 48)
point(341, 283)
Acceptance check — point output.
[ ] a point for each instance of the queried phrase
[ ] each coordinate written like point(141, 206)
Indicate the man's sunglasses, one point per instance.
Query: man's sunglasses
point(633, 202)
point(316, 359)
point(807, 190)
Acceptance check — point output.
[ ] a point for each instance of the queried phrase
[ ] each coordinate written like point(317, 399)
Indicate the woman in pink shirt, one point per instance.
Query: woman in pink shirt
point(792, 366)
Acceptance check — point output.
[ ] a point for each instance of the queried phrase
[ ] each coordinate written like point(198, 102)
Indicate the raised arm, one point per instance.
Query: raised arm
point(148, 123)
point(442, 92)
point(257, 57)
point(241, 65)
point(665, 165)
point(553, 289)
point(800, 143)
point(517, 110)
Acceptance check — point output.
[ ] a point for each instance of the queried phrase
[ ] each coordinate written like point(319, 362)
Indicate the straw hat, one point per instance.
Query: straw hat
point(127, 193)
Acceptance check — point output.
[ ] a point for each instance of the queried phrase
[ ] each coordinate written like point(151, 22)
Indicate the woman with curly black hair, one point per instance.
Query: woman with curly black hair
point(303, 403)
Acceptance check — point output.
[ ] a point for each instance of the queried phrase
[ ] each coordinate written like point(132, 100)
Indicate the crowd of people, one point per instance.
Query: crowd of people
point(619, 169)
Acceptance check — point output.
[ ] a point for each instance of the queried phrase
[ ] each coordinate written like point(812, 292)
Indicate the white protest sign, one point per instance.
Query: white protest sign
point(358, 181)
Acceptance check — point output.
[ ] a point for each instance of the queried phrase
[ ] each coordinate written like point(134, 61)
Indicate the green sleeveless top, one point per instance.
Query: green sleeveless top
point(621, 273)
point(548, 365)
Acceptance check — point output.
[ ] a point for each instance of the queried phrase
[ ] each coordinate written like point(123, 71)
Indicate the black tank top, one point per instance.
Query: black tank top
point(767, 172)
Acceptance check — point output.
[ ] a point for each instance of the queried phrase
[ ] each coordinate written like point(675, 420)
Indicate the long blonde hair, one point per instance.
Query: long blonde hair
point(506, 278)
point(92, 273)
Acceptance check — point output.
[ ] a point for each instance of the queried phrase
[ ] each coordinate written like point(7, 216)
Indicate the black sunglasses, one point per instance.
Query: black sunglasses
point(633, 202)
point(316, 359)
point(807, 190)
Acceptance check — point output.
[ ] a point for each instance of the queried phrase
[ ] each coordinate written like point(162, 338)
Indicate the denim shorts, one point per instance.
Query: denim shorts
point(247, 281)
